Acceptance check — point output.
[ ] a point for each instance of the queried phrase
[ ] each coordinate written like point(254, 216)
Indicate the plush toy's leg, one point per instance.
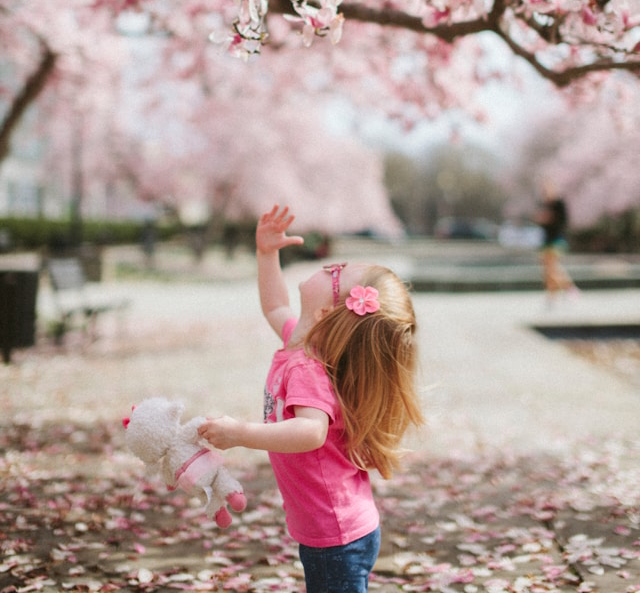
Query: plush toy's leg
point(231, 489)
point(237, 501)
point(223, 518)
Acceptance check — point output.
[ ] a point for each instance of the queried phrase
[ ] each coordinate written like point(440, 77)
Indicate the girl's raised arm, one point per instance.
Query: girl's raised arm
point(270, 238)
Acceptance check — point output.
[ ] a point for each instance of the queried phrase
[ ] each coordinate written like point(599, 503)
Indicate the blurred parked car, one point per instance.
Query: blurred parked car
point(466, 228)
point(520, 235)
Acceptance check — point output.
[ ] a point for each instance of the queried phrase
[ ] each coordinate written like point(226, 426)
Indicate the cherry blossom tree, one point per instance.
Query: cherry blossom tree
point(409, 59)
point(185, 139)
point(563, 40)
point(233, 166)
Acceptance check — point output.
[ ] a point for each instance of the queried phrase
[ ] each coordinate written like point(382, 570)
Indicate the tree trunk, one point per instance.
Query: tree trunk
point(32, 88)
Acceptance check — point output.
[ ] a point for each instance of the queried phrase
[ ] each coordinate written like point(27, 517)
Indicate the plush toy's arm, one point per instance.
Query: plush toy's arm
point(189, 430)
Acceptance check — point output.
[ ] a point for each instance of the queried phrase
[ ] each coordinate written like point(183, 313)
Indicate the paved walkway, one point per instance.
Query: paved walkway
point(487, 378)
point(489, 382)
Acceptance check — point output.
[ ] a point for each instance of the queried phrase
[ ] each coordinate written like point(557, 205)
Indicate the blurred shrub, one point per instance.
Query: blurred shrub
point(37, 233)
point(54, 236)
point(619, 233)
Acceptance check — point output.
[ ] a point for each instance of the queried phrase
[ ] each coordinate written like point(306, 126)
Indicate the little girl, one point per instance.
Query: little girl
point(338, 398)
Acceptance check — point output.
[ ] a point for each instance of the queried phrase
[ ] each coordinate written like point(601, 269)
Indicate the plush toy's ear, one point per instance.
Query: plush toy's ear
point(176, 410)
point(126, 421)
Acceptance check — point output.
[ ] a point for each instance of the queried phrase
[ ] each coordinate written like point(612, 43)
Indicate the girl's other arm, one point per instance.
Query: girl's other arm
point(306, 432)
point(270, 238)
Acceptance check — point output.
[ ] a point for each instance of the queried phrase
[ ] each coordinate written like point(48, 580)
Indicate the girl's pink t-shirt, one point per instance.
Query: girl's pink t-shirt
point(327, 500)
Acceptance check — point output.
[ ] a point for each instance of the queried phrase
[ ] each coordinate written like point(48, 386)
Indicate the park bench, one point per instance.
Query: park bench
point(77, 302)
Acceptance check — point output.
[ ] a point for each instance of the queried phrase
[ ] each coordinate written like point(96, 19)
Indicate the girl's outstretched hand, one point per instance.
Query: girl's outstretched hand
point(271, 230)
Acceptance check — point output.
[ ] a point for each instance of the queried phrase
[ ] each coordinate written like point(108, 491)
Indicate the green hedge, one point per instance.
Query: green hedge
point(619, 233)
point(35, 233)
point(55, 236)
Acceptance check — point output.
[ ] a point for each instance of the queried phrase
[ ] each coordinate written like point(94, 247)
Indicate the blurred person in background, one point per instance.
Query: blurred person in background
point(553, 218)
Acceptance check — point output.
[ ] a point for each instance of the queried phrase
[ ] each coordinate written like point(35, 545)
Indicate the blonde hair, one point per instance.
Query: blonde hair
point(371, 360)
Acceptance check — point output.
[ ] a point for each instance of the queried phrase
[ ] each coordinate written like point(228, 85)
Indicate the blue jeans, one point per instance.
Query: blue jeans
point(341, 569)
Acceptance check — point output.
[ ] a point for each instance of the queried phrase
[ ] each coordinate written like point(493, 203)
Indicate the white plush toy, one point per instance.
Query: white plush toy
point(155, 435)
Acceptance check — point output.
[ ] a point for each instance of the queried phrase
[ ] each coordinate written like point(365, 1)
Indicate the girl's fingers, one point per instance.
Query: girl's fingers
point(281, 219)
point(267, 216)
point(273, 215)
point(277, 220)
point(287, 223)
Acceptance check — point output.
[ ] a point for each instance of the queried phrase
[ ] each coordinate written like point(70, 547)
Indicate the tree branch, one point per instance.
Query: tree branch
point(563, 78)
point(388, 17)
point(32, 88)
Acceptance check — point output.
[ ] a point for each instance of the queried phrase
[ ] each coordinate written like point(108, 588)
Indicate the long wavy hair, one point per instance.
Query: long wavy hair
point(371, 360)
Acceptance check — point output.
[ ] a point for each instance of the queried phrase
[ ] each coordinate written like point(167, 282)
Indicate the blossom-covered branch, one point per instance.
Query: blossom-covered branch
point(563, 41)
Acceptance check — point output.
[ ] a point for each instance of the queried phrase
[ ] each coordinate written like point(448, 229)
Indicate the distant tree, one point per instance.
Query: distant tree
point(403, 180)
point(450, 180)
point(591, 156)
point(463, 182)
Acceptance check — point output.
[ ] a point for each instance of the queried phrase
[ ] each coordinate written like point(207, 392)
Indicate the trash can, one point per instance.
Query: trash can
point(18, 294)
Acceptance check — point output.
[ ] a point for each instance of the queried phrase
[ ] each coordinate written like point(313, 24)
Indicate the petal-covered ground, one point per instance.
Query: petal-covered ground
point(525, 481)
point(78, 514)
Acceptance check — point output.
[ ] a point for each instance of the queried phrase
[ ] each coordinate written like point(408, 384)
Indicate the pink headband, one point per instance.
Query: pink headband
point(334, 270)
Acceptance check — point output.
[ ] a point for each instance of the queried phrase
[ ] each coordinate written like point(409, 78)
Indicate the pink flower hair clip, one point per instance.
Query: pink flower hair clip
point(363, 300)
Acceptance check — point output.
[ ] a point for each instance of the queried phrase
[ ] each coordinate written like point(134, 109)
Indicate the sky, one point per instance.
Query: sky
point(511, 108)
